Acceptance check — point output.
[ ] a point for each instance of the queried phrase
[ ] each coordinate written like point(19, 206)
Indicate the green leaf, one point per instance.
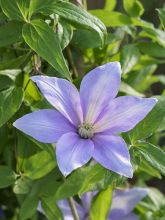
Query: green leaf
point(45, 164)
point(73, 14)
point(110, 5)
point(157, 197)
point(10, 101)
point(22, 185)
point(12, 75)
point(15, 9)
point(155, 34)
point(141, 79)
point(112, 19)
point(72, 184)
point(146, 60)
point(161, 126)
point(101, 204)
point(129, 57)
point(37, 6)
point(86, 179)
point(5, 82)
point(147, 168)
point(124, 87)
point(28, 207)
point(49, 148)
point(153, 155)
point(150, 123)
point(152, 49)
point(64, 33)
point(41, 38)
point(85, 39)
point(93, 177)
point(133, 7)
point(13, 63)
point(7, 176)
point(161, 12)
point(32, 94)
point(10, 33)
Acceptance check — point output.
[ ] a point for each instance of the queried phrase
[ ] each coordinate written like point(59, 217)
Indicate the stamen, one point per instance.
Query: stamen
point(85, 131)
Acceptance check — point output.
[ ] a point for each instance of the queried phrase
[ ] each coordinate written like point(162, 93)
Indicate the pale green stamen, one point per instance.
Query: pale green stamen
point(85, 131)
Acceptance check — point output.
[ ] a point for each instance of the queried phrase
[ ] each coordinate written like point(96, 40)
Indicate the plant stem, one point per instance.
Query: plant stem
point(73, 208)
point(84, 2)
point(70, 58)
point(26, 85)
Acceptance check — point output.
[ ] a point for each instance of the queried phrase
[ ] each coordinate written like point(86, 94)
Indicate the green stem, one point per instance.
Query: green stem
point(84, 4)
point(70, 58)
point(26, 85)
point(73, 208)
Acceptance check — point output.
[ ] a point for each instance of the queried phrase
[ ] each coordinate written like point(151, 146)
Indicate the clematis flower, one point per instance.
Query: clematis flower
point(123, 203)
point(85, 125)
point(1, 213)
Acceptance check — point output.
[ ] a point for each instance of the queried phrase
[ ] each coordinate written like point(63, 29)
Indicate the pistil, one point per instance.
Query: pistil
point(85, 131)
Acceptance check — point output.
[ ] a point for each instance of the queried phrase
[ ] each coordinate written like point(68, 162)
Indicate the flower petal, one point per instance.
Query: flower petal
point(62, 95)
point(44, 125)
point(124, 113)
point(73, 152)
point(112, 153)
point(86, 200)
point(130, 216)
point(124, 201)
point(67, 212)
point(97, 88)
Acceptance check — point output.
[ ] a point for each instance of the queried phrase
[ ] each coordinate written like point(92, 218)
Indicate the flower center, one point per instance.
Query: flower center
point(85, 131)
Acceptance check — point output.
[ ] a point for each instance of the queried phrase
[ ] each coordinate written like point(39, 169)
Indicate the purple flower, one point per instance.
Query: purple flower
point(2, 214)
point(85, 125)
point(123, 203)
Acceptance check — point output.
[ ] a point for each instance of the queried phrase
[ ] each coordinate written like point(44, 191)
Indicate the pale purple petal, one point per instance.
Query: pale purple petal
point(44, 125)
point(66, 210)
point(112, 153)
point(130, 216)
point(124, 201)
point(124, 113)
point(97, 88)
point(62, 95)
point(73, 152)
point(86, 200)
point(39, 208)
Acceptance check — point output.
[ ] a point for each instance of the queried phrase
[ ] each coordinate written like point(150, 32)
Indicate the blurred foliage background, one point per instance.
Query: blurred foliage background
point(46, 39)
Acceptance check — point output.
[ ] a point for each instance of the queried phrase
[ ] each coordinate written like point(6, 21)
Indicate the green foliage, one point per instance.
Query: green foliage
point(59, 38)
point(36, 35)
point(16, 10)
point(101, 204)
point(11, 96)
point(153, 155)
point(7, 176)
point(10, 33)
point(133, 7)
point(45, 164)
point(75, 15)
point(161, 13)
point(129, 57)
point(50, 208)
point(144, 128)
point(28, 207)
